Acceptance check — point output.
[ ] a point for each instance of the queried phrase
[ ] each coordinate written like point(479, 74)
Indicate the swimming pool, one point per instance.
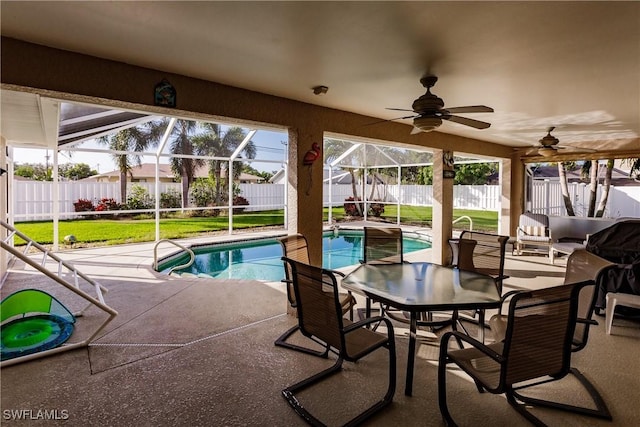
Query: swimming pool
point(261, 259)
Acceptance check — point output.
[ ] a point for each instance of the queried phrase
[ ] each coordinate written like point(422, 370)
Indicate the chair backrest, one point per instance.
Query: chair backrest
point(318, 306)
point(581, 266)
point(383, 245)
point(481, 252)
point(539, 333)
point(294, 247)
point(532, 224)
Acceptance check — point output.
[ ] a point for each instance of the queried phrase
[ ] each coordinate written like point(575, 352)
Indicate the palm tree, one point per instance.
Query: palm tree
point(182, 142)
point(217, 143)
point(133, 141)
point(562, 175)
point(334, 148)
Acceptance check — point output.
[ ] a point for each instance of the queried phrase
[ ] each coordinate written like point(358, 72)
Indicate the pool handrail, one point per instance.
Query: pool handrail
point(192, 256)
point(468, 218)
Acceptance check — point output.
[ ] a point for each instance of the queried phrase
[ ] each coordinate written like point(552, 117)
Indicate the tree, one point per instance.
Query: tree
point(132, 141)
point(334, 148)
point(474, 173)
point(183, 142)
point(215, 142)
point(76, 171)
point(564, 187)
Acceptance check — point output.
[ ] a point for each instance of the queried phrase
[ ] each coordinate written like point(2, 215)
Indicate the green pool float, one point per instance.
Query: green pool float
point(33, 321)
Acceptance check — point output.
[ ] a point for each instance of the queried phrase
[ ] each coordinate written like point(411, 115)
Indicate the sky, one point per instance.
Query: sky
point(270, 146)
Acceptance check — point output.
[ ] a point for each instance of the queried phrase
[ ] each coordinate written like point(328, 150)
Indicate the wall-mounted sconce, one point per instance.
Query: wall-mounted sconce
point(2, 171)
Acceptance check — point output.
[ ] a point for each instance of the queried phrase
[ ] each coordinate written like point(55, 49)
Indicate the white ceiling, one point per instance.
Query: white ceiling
point(573, 65)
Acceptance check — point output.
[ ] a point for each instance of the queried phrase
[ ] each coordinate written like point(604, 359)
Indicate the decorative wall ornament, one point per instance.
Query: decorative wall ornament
point(165, 94)
point(309, 158)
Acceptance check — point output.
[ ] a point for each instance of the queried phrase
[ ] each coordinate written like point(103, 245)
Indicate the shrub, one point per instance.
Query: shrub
point(170, 200)
point(239, 201)
point(107, 204)
point(202, 194)
point(350, 208)
point(139, 198)
point(83, 205)
point(376, 209)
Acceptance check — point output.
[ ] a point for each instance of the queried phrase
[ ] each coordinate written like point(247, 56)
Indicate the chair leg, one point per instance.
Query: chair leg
point(601, 410)
point(442, 386)
point(522, 410)
point(289, 392)
point(282, 342)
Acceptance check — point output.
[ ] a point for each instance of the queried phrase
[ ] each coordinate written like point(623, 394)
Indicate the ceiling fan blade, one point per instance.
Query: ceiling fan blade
point(398, 109)
point(415, 130)
point(530, 151)
point(468, 122)
point(390, 120)
point(471, 109)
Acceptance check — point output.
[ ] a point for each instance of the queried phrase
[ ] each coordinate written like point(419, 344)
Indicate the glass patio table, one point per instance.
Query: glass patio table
point(422, 287)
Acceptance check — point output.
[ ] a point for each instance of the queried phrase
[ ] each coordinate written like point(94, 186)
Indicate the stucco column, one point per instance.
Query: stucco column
point(304, 188)
point(442, 209)
point(506, 193)
point(517, 191)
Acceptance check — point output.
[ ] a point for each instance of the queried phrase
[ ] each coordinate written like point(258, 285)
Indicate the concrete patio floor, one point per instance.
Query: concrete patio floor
point(199, 352)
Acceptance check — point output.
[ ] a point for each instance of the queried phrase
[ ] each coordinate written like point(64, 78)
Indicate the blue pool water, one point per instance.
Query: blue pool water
point(260, 259)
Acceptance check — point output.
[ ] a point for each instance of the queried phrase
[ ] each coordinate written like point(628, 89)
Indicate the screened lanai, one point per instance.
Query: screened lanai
point(172, 147)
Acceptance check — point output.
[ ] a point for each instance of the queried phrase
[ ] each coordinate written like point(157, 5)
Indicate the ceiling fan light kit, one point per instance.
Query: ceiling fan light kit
point(427, 124)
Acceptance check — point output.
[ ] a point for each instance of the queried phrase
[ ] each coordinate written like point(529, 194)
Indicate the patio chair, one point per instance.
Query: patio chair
point(533, 234)
point(321, 319)
point(582, 267)
point(536, 349)
point(383, 245)
point(295, 247)
point(483, 253)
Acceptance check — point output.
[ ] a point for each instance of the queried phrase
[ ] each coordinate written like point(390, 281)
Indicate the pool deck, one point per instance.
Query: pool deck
point(199, 352)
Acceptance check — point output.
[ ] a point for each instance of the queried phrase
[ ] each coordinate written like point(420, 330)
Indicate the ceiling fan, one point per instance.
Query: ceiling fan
point(549, 146)
point(430, 112)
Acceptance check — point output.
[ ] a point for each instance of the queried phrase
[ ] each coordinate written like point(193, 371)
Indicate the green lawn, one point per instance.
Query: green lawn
point(119, 231)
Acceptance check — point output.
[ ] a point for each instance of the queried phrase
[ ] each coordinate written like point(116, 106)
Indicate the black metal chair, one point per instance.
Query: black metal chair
point(295, 247)
point(536, 349)
point(321, 319)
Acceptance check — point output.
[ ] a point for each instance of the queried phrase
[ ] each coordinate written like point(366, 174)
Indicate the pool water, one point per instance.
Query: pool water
point(261, 259)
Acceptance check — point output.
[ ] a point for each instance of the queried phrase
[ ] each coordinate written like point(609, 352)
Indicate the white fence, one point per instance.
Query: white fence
point(33, 200)
point(546, 197)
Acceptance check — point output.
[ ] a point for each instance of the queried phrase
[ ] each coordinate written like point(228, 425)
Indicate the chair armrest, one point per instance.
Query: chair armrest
point(505, 297)
point(587, 321)
point(444, 343)
point(339, 273)
point(370, 320)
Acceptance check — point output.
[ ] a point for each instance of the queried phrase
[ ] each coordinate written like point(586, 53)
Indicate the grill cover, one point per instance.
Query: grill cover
point(619, 243)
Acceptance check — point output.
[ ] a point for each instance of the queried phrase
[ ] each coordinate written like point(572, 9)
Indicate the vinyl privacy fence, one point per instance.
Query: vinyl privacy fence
point(33, 200)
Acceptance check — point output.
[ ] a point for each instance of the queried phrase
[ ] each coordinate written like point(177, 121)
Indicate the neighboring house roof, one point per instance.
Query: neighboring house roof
point(618, 177)
point(148, 171)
